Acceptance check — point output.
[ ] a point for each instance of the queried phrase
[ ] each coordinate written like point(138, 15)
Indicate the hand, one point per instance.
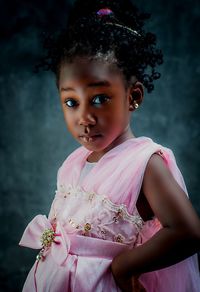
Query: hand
point(126, 285)
point(137, 286)
point(124, 281)
point(130, 285)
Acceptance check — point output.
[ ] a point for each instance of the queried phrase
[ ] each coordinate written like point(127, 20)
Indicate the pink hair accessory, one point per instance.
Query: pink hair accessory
point(104, 11)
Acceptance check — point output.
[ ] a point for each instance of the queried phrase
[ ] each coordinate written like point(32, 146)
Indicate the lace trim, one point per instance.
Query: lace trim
point(120, 210)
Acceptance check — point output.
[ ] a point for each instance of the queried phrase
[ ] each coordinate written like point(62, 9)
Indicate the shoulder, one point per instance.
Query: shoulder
point(72, 159)
point(158, 178)
point(157, 166)
point(74, 155)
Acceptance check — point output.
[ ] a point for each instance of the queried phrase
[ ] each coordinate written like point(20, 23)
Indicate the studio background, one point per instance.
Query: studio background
point(34, 139)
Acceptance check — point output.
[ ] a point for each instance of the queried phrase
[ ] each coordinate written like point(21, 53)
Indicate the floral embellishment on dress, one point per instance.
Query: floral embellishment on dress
point(86, 228)
point(73, 223)
point(119, 238)
point(118, 216)
point(47, 237)
point(103, 233)
point(91, 196)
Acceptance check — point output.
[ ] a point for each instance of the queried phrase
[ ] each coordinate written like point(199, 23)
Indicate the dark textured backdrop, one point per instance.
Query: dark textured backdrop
point(34, 140)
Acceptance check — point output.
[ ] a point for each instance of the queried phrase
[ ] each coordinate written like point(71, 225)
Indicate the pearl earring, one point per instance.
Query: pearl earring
point(136, 105)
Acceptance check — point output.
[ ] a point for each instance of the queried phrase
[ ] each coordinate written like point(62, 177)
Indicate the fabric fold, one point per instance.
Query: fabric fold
point(41, 234)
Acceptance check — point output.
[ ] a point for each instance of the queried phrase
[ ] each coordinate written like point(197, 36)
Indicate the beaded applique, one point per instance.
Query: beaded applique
point(94, 215)
point(47, 238)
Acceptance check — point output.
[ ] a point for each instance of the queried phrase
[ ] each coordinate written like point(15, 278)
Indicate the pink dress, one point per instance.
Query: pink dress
point(94, 219)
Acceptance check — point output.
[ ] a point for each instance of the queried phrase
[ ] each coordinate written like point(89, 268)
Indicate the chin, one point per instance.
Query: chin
point(94, 147)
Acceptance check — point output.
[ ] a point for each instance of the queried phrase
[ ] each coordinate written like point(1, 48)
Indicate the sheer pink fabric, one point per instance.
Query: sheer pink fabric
point(96, 219)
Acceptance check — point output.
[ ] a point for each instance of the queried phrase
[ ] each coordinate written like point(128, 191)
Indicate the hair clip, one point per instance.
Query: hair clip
point(125, 27)
point(108, 11)
point(104, 11)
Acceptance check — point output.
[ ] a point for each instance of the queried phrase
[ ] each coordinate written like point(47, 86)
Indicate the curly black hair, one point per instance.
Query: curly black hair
point(119, 34)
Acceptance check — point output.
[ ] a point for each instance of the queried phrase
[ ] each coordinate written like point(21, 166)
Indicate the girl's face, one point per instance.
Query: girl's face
point(96, 104)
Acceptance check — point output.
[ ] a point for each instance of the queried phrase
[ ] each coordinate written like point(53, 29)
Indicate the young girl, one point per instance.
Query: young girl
point(121, 219)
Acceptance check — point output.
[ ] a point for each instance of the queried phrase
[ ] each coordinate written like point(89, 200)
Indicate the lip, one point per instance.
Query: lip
point(90, 138)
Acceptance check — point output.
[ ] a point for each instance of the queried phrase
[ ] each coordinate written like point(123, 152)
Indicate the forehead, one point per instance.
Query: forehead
point(82, 70)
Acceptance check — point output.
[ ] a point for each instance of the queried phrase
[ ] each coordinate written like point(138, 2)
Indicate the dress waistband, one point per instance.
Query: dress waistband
point(95, 247)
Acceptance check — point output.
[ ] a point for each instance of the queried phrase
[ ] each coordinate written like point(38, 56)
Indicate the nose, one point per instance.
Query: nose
point(86, 118)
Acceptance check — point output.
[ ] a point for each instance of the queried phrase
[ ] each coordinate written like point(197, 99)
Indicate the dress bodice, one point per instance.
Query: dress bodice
point(103, 203)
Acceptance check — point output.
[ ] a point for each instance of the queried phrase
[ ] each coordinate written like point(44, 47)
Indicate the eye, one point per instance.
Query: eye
point(70, 102)
point(100, 98)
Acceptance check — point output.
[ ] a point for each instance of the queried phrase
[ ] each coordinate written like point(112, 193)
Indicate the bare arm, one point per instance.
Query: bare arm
point(180, 235)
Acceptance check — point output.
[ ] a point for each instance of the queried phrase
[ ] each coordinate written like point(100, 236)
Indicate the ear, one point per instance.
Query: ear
point(136, 95)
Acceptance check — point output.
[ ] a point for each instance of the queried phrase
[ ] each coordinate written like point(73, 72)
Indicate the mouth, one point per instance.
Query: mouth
point(90, 138)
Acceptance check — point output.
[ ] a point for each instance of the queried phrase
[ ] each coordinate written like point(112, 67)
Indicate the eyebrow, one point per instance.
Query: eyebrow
point(102, 83)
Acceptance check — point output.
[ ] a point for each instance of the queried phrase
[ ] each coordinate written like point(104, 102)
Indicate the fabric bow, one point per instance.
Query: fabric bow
point(41, 234)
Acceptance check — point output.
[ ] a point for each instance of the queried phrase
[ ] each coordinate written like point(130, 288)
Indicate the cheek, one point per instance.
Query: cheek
point(111, 123)
point(117, 114)
point(69, 118)
point(105, 118)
